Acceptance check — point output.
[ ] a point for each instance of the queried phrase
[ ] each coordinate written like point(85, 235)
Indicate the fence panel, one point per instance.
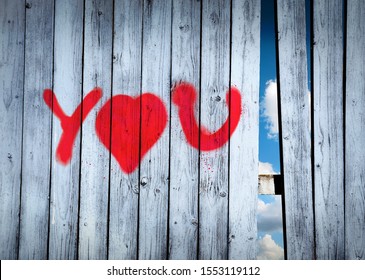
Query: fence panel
point(174, 194)
point(355, 131)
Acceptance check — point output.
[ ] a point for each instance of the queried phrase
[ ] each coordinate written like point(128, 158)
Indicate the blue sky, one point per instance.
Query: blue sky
point(270, 234)
point(269, 148)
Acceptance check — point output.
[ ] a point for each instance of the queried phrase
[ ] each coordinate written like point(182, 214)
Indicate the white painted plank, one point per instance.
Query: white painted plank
point(68, 90)
point(184, 159)
point(328, 129)
point(37, 131)
point(296, 140)
point(215, 60)
point(266, 184)
point(12, 15)
point(93, 220)
point(154, 170)
point(243, 162)
point(355, 132)
point(124, 188)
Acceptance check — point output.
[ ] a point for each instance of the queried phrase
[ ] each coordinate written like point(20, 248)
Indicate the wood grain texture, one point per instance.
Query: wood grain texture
point(154, 168)
point(184, 159)
point(93, 227)
point(12, 16)
point(328, 129)
point(243, 156)
point(266, 184)
point(68, 89)
point(180, 203)
point(33, 243)
point(124, 188)
point(215, 74)
point(296, 139)
point(355, 132)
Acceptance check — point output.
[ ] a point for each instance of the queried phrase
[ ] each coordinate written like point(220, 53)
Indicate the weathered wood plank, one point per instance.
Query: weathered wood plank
point(37, 131)
point(184, 159)
point(215, 60)
point(328, 129)
point(154, 168)
point(93, 220)
point(12, 16)
point(124, 188)
point(296, 139)
point(68, 90)
point(266, 184)
point(355, 132)
point(243, 160)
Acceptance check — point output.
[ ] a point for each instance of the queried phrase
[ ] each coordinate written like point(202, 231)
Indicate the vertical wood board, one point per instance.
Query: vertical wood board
point(295, 128)
point(33, 243)
point(243, 156)
point(215, 78)
point(12, 19)
point(68, 90)
point(355, 132)
point(328, 129)
point(93, 220)
point(184, 159)
point(124, 188)
point(154, 167)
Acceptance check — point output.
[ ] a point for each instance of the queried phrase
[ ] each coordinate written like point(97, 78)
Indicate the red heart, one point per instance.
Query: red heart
point(125, 123)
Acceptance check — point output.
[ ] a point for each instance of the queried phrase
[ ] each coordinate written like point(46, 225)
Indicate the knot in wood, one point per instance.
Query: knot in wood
point(144, 181)
point(194, 222)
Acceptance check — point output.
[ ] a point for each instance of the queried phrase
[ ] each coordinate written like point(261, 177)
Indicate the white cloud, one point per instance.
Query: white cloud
point(269, 216)
point(266, 168)
point(270, 109)
point(269, 250)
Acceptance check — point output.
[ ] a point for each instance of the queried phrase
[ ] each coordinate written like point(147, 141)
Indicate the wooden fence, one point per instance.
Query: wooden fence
point(115, 177)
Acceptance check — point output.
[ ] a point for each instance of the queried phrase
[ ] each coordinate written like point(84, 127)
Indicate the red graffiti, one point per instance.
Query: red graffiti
point(129, 127)
point(184, 97)
point(145, 114)
point(70, 124)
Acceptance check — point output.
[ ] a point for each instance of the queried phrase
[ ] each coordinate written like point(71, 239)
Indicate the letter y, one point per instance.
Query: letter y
point(70, 124)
